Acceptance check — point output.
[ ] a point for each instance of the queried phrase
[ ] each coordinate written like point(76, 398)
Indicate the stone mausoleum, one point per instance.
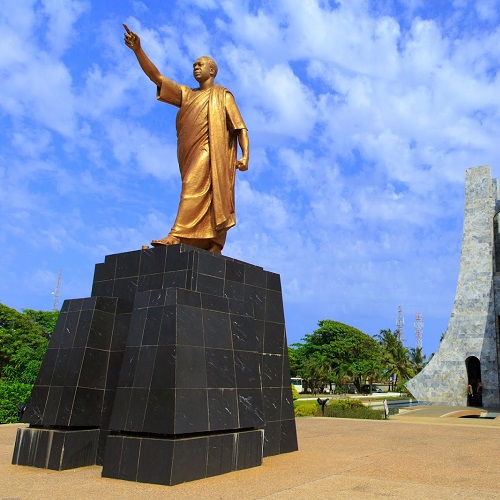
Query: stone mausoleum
point(465, 369)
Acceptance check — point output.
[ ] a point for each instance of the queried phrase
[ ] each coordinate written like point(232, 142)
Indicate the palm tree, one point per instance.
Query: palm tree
point(318, 369)
point(402, 367)
point(418, 359)
point(396, 357)
point(372, 370)
point(343, 374)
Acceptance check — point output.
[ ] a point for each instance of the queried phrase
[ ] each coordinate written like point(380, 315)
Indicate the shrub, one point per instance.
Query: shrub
point(295, 393)
point(352, 408)
point(306, 410)
point(12, 393)
point(346, 403)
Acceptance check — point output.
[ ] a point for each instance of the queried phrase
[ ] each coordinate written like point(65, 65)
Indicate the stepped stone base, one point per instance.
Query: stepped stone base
point(173, 461)
point(55, 449)
point(176, 368)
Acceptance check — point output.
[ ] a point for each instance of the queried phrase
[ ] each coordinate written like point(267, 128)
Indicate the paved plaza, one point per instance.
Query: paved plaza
point(420, 454)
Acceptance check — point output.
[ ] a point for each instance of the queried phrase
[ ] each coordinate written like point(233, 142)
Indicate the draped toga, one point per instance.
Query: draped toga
point(207, 124)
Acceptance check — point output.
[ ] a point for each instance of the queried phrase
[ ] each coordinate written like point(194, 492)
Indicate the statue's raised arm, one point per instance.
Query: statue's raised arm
point(133, 42)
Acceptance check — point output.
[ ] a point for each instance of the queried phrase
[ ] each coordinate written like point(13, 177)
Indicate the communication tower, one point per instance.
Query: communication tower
point(400, 321)
point(56, 292)
point(419, 328)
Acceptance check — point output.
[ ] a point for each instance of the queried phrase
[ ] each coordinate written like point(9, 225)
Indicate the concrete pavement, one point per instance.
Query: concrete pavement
point(415, 455)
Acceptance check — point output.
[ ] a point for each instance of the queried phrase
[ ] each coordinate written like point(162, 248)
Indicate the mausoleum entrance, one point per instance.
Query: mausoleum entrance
point(474, 386)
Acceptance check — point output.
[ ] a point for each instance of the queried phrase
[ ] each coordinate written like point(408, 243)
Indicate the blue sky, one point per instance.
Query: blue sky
point(363, 117)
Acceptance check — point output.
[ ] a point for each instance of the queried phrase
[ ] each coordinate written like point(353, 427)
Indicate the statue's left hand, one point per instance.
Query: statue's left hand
point(242, 164)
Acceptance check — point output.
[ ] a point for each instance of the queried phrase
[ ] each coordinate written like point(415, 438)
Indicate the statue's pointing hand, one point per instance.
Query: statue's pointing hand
point(132, 40)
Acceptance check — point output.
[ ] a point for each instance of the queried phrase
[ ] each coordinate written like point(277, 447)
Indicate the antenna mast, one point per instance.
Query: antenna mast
point(56, 292)
point(419, 328)
point(400, 321)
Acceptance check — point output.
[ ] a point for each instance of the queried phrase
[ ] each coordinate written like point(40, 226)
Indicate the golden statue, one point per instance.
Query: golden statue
point(209, 126)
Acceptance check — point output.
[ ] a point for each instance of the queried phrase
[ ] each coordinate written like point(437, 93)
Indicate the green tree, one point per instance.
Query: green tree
point(29, 329)
point(373, 370)
point(295, 361)
point(396, 357)
point(12, 393)
point(23, 341)
point(336, 351)
point(418, 359)
point(24, 364)
point(46, 319)
point(317, 370)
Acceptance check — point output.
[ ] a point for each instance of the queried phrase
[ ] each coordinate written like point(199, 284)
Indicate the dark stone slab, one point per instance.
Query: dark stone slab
point(170, 461)
point(191, 411)
point(155, 461)
point(272, 438)
point(55, 449)
point(159, 418)
point(217, 329)
point(251, 408)
point(220, 454)
point(222, 409)
point(220, 368)
point(288, 439)
point(153, 261)
point(249, 452)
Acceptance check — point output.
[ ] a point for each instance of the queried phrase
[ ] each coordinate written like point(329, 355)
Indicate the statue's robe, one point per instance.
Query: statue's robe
point(207, 125)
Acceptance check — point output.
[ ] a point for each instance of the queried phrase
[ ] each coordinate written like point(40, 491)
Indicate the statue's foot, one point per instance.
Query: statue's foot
point(215, 248)
point(168, 240)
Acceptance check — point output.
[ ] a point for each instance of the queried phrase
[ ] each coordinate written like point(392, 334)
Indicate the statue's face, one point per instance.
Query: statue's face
point(202, 70)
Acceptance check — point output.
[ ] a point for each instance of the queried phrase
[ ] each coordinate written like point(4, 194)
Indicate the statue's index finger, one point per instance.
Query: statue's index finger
point(126, 28)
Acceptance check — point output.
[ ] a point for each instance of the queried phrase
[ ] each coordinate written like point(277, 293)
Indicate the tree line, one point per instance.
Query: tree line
point(24, 337)
point(341, 354)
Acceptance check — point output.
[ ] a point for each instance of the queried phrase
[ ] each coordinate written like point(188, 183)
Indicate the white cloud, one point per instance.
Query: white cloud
point(31, 142)
point(139, 7)
point(62, 16)
point(487, 10)
point(36, 84)
point(275, 100)
point(274, 215)
point(134, 145)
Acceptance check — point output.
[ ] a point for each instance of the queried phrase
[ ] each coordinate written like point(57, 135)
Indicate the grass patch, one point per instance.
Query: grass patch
point(307, 402)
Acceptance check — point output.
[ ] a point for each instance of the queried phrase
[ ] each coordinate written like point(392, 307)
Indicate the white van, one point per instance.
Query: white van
point(298, 383)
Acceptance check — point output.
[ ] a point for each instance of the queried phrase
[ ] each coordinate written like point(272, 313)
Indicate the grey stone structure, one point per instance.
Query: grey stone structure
point(465, 369)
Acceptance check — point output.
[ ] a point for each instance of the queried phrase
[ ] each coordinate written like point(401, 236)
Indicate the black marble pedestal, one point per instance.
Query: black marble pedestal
point(175, 369)
point(56, 449)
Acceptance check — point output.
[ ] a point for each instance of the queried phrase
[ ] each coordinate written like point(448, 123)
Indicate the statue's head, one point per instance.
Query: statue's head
point(204, 67)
